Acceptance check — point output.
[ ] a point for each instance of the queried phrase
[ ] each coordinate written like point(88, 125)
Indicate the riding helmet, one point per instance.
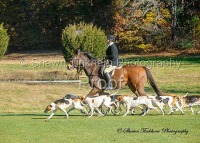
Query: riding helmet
point(111, 37)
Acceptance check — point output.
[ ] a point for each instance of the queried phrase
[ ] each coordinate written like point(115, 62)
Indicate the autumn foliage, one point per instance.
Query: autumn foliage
point(139, 25)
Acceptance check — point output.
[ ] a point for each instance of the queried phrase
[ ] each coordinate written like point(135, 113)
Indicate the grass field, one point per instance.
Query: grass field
point(22, 105)
point(25, 128)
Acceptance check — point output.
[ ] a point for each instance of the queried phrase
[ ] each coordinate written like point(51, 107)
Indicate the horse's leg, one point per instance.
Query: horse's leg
point(103, 93)
point(133, 89)
point(140, 87)
point(141, 91)
point(93, 92)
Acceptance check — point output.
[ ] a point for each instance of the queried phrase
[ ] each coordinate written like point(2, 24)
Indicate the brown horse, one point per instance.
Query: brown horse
point(132, 75)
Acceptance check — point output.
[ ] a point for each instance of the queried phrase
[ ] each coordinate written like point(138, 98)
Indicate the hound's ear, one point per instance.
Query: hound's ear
point(119, 98)
point(77, 52)
point(81, 98)
point(75, 99)
point(48, 108)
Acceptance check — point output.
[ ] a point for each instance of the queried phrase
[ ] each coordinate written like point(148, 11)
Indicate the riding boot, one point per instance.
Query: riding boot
point(109, 81)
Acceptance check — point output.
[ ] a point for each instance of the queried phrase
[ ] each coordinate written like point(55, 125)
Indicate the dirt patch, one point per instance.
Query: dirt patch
point(37, 75)
point(44, 69)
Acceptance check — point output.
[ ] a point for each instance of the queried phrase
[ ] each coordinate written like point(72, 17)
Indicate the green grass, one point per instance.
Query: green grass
point(22, 105)
point(32, 128)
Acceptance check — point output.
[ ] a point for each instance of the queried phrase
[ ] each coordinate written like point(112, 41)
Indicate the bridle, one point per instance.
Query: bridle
point(77, 59)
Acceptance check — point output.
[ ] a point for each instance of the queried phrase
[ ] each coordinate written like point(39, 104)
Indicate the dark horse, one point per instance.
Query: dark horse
point(132, 75)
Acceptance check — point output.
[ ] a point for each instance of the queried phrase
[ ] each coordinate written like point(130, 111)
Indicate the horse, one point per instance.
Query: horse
point(132, 75)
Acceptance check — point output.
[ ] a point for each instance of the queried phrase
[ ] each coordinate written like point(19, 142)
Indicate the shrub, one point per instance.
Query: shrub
point(4, 39)
point(185, 44)
point(146, 47)
point(87, 37)
point(196, 29)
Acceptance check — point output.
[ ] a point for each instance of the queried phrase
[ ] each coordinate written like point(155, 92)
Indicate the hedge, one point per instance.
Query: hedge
point(4, 40)
point(86, 37)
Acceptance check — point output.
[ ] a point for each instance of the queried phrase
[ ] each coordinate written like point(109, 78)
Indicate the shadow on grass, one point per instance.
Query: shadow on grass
point(173, 91)
point(44, 117)
point(13, 114)
point(170, 91)
point(38, 115)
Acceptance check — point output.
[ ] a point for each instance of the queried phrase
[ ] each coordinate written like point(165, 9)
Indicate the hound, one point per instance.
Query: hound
point(117, 104)
point(71, 96)
point(167, 100)
point(77, 104)
point(63, 104)
point(189, 101)
point(97, 101)
point(132, 102)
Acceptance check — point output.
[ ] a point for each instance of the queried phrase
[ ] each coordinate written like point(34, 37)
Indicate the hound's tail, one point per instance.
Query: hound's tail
point(152, 82)
point(114, 93)
point(185, 94)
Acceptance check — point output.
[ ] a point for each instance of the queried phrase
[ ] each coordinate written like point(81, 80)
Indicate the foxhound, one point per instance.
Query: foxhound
point(132, 102)
point(96, 102)
point(189, 101)
point(166, 100)
point(63, 104)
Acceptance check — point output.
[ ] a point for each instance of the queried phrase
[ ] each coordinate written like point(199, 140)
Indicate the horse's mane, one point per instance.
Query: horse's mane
point(90, 56)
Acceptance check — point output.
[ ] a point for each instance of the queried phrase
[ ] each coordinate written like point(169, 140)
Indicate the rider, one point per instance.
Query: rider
point(112, 57)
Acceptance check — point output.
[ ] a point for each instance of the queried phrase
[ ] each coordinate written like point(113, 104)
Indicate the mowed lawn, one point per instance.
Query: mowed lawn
point(21, 106)
point(32, 128)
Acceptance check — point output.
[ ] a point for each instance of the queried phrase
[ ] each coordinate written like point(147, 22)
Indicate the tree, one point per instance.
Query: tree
point(142, 24)
point(4, 40)
point(86, 37)
point(38, 24)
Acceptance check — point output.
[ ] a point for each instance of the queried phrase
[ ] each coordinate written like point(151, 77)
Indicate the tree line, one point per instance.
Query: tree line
point(139, 25)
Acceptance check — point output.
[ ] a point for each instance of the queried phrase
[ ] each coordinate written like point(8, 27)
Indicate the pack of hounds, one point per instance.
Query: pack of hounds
point(113, 103)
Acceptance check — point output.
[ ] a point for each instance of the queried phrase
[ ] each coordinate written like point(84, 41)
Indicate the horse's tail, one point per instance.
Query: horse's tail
point(151, 81)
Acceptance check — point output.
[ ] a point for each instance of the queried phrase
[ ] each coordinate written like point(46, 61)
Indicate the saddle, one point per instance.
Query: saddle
point(103, 66)
point(100, 72)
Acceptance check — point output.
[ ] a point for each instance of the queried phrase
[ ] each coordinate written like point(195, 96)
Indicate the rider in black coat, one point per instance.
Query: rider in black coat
point(112, 54)
point(112, 57)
